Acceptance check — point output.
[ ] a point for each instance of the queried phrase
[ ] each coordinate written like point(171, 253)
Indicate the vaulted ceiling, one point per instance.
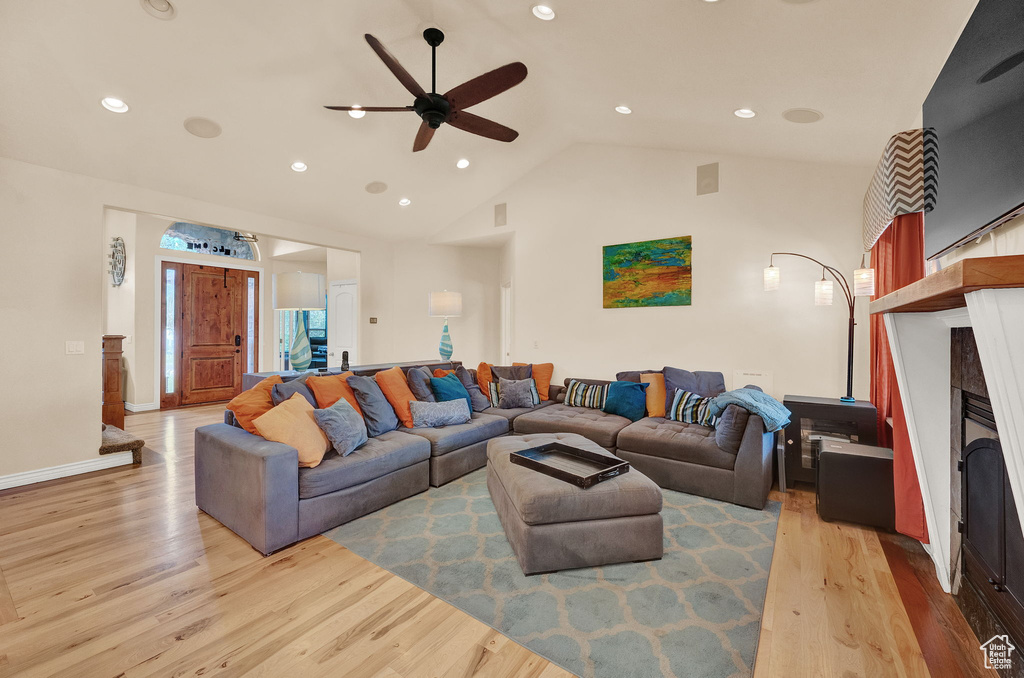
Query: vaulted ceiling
point(263, 70)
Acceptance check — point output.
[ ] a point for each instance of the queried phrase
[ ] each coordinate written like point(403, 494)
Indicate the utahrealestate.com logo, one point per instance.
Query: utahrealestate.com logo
point(997, 652)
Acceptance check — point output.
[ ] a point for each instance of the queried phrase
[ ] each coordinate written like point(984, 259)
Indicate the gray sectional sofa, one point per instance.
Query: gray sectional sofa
point(256, 488)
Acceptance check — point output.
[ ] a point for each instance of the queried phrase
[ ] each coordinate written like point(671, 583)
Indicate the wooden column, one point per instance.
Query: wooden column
point(113, 398)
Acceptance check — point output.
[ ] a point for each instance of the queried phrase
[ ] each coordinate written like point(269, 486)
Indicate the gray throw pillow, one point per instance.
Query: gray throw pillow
point(518, 393)
point(514, 373)
point(282, 392)
point(633, 375)
point(730, 428)
point(419, 384)
point(343, 427)
point(445, 413)
point(480, 401)
point(378, 414)
point(704, 384)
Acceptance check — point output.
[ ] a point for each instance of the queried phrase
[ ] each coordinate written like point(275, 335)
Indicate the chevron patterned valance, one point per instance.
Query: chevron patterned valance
point(905, 181)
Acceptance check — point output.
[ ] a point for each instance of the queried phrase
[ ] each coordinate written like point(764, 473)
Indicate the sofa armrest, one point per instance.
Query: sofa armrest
point(753, 470)
point(249, 484)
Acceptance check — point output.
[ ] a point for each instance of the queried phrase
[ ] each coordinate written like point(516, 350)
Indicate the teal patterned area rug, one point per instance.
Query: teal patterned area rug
point(695, 613)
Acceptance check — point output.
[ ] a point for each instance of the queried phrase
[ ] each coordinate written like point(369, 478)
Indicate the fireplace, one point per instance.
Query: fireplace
point(988, 567)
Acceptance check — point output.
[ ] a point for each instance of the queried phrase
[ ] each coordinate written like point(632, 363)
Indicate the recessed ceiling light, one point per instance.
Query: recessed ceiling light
point(625, 110)
point(114, 104)
point(462, 163)
point(405, 202)
point(375, 187)
point(543, 12)
point(357, 113)
point(202, 127)
point(299, 166)
point(802, 115)
point(710, 0)
point(161, 9)
point(744, 113)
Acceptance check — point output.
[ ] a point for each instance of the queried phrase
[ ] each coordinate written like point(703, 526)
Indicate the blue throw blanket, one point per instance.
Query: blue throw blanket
point(755, 401)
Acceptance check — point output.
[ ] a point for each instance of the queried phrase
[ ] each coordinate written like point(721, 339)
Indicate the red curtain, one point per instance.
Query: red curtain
point(898, 260)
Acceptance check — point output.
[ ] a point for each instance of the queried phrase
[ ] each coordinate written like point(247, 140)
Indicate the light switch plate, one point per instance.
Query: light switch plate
point(74, 347)
point(373, 321)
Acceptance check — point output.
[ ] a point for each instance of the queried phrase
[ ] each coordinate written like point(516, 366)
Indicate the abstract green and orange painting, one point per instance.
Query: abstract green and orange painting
point(648, 273)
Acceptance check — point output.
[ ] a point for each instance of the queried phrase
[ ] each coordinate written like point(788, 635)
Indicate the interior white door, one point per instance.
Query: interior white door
point(342, 316)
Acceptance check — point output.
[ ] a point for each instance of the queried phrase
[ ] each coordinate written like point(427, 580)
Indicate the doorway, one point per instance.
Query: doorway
point(209, 332)
point(342, 314)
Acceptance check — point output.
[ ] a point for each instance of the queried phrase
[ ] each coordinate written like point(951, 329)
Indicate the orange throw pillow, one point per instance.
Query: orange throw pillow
point(655, 393)
point(542, 373)
point(253, 402)
point(483, 377)
point(332, 388)
point(396, 389)
point(442, 373)
point(292, 423)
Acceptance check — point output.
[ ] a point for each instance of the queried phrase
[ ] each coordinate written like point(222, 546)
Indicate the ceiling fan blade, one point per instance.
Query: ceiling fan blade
point(371, 109)
point(395, 67)
point(482, 126)
point(483, 87)
point(423, 137)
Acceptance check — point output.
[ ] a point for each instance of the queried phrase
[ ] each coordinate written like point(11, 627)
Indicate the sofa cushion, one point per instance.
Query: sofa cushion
point(449, 438)
point(730, 428)
point(634, 375)
point(343, 426)
point(510, 394)
point(448, 388)
point(446, 413)
point(395, 387)
point(293, 423)
point(580, 394)
point(660, 437)
point(540, 499)
point(332, 388)
point(626, 399)
point(384, 454)
point(512, 413)
point(598, 426)
point(655, 393)
point(702, 383)
point(252, 403)
point(691, 408)
point(419, 384)
point(380, 417)
point(282, 392)
point(477, 399)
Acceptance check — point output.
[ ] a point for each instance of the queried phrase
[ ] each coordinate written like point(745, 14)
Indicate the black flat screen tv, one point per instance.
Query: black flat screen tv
point(976, 108)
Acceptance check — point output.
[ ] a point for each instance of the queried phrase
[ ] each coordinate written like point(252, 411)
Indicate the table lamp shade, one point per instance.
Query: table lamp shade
point(445, 304)
point(299, 292)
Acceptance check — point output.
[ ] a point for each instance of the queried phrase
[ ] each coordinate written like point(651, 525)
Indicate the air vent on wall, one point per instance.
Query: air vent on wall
point(500, 214)
point(707, 178)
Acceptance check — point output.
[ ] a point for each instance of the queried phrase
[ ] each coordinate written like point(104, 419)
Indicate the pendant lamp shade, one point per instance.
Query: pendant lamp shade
point(299, 292)
point(771, 278)
point(444, 304)
point(823, 293)
point(864, 282)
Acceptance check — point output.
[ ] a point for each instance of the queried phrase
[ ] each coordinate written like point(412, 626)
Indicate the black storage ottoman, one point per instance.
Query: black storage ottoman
point(855, 484)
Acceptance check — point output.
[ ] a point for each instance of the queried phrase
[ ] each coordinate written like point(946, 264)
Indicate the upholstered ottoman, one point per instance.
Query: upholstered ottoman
point(553, 525)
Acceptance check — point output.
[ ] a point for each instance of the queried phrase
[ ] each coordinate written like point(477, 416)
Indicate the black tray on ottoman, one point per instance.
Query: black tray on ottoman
point(581, 468)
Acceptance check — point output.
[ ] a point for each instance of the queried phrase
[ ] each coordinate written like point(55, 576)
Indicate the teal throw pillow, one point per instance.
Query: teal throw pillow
point(626, 399)
point(449, 387)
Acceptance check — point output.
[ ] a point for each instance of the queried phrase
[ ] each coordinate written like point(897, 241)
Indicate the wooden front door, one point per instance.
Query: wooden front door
point(211, 333)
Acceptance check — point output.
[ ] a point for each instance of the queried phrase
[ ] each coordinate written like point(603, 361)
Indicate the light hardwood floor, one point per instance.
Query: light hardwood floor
point(118, 574)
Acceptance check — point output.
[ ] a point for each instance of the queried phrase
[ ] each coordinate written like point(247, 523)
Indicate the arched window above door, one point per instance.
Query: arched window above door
point(185, 237)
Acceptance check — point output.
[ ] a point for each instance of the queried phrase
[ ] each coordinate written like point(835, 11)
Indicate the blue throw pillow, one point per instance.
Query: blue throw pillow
point(343, 426)
point(378, 414)
point(282, 392)
point(449, 387)
point(626, 399)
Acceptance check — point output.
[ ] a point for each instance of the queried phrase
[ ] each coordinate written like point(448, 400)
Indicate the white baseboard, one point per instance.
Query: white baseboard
point(72, 469)
point(141, 407)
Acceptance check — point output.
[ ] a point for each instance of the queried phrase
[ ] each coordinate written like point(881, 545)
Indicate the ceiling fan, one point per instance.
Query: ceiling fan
point(435, 109)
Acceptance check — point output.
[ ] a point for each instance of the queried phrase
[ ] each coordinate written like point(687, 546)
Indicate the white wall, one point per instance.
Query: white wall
point(51, 290)
point(589, 196)
point(473, 271)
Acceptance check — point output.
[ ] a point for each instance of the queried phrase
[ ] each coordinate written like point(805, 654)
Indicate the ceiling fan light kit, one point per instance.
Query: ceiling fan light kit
point(436, 109)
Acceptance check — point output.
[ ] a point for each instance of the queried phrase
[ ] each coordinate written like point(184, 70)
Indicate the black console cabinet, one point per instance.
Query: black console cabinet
point(816, 419)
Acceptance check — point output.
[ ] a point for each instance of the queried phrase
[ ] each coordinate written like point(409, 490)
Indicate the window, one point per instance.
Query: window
point(316, 324)
point(185, 237)
point(171, 295)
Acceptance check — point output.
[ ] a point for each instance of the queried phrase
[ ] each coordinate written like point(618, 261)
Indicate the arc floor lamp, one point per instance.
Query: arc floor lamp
point(863, 286)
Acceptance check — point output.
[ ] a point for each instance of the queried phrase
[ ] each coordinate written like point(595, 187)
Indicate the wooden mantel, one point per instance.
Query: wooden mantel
point(945, 289)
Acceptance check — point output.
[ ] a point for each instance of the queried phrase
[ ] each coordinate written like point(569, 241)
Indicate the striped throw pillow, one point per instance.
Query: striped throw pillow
point(578, 394)
point(691, 408)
